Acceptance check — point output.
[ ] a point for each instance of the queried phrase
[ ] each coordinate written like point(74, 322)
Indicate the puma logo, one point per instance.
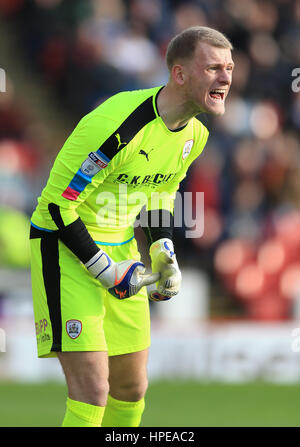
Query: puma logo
point(142, 152)
point(120, 293)
point(120, 144)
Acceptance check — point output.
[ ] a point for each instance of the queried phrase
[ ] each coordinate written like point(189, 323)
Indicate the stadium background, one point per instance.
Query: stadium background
point(226, 351)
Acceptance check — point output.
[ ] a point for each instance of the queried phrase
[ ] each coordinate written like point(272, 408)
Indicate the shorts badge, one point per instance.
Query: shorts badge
point(74, 328)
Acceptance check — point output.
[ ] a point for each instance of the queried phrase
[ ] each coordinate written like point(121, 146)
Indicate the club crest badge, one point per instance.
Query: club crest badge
point(187, 148)
point(74, 328)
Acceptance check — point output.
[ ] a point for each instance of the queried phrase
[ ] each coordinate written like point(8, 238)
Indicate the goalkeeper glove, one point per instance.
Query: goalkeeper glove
point(122, 279)
point(164, 262)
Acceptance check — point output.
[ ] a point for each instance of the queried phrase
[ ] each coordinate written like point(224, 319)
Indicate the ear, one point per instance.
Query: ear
point(178, 74)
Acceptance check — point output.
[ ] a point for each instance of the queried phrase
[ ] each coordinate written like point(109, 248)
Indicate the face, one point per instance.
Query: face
point(206, 79)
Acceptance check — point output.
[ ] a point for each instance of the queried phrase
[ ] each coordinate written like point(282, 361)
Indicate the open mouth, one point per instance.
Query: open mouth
point(217, 95)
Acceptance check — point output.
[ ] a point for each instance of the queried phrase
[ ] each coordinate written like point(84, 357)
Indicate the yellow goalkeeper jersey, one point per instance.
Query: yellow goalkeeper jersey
point(120, 157)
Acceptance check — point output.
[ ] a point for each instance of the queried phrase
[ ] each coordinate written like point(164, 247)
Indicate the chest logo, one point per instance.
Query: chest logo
point(120, 143)
point(187, 148)
point(142, 152)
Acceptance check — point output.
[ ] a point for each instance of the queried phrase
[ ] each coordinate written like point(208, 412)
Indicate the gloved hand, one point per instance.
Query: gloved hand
point(122, 279)
point(164, 262)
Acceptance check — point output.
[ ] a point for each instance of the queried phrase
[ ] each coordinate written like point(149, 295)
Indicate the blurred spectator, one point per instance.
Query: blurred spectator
point(13, 119)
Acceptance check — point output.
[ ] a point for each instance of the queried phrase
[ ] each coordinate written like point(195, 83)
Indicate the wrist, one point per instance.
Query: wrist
point(98, 264)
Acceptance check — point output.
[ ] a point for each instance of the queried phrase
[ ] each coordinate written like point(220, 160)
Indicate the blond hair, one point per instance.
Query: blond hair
point(183, 45)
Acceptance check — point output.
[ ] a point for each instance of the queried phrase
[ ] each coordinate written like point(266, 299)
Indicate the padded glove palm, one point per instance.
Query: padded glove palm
point(164, 262)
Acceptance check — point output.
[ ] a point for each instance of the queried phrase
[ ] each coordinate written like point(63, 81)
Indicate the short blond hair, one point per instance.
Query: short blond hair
point(183, 45)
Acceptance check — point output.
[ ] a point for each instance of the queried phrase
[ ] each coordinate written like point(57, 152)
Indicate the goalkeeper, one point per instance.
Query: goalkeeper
point(91, 307)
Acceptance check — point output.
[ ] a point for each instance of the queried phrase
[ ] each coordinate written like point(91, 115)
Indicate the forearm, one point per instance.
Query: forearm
point(159, 233)
point(75, 235)
point(159, 225)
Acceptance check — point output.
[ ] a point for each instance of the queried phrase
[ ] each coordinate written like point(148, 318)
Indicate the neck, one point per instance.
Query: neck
point(174, 108)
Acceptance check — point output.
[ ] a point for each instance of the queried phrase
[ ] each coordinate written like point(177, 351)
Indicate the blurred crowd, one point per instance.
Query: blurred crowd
point(249, 172)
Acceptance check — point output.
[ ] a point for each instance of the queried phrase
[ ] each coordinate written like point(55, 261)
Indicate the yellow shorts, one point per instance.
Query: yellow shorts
point(73, 312)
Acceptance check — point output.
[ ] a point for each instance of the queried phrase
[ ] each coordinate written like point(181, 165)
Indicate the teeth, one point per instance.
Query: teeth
point(218, 90)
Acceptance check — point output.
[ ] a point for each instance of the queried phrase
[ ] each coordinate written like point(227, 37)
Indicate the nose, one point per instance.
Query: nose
point(225, 77)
